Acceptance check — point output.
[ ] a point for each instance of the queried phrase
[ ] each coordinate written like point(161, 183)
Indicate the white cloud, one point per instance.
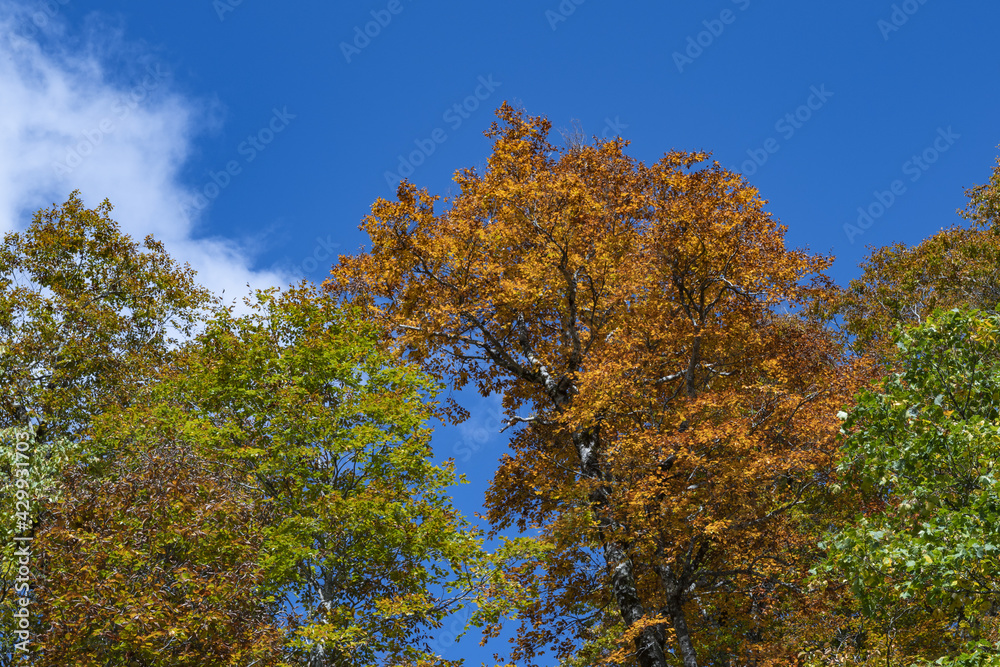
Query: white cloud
point(91, 112)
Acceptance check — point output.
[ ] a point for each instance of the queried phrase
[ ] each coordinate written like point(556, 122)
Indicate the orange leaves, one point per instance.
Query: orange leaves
point(632, 308)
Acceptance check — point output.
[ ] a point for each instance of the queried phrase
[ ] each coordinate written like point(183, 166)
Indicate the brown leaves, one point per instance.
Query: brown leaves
point(157, 561)
point(903, 284)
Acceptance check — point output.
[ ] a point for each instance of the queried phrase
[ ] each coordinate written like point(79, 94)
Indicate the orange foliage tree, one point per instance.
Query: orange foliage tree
point(674, 413)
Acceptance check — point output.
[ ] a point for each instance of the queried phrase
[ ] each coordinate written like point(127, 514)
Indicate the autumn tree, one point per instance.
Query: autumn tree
point(157, 562)
point(923, 449)
point(86, 316)
point(984, 200)
point(674, 413)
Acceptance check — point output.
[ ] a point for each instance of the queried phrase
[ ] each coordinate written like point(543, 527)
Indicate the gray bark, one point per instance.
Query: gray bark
point(679, 621)
point(675, 607)
point(649, 644)
point(560, 390)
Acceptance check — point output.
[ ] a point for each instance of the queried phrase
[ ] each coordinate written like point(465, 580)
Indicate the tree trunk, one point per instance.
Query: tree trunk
point(679, 622)
point(648, 645)
point(675, 607)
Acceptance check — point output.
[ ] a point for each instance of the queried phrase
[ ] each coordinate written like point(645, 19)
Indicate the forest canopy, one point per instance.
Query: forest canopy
point(717, 456)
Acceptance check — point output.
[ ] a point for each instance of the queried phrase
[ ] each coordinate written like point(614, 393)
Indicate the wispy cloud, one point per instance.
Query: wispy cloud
point(83, 109)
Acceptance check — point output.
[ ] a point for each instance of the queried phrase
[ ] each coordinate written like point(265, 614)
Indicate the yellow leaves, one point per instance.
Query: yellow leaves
point(716, 527)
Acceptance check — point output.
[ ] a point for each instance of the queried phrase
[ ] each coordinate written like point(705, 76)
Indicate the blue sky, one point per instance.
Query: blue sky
point(253, 137)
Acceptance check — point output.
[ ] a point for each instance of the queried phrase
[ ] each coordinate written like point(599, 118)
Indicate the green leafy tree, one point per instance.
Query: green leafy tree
point(923, 451)
point(350, 526)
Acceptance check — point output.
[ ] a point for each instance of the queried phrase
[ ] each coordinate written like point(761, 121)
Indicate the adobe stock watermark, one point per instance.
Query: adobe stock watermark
point(363, 36)
point(248, 149)
point(22, 552)
point(786, 126)
point(47, 11)
point(322, 251)
point(899, 17)
point(449, 637)
point(696, 44)
point(454, 116)
point(915, 168)
point(562, 12)
point(223, 7)
point(126, 103)
point(613, 128)
point(477, 436)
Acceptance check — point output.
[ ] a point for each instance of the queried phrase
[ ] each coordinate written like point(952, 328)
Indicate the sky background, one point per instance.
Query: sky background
point(253, 137)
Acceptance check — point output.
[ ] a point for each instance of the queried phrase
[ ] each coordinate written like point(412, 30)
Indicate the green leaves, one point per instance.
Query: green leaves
point(923, 450)
point(86, 315)
point(33, 467)
point(259, 494)
point(328, 436)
